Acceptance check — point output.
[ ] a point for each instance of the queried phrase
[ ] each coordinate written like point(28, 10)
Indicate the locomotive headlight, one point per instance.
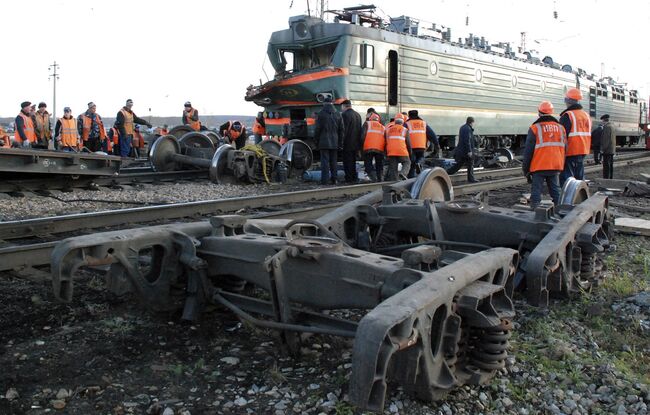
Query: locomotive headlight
point(322, 96)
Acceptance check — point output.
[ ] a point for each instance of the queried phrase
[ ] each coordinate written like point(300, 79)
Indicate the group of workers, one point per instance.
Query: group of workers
point(33, 129)
point(555, 149)
point(403, 140)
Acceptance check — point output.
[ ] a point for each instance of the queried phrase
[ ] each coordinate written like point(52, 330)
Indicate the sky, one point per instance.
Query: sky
point(165, 52)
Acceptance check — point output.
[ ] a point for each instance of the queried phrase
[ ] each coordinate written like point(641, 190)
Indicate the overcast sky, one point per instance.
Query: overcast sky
point(162, 53)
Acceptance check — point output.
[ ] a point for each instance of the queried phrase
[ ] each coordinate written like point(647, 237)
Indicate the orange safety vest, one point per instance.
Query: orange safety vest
point(550, 141)
point(87, 123)
point(128, 122)
point(396, 141)
point(258, 128)
point(69, 133)
point(417, 133)
point(580, 135)
point(43, 125)
point(232, 133)
point(375, 138)
point(195, 125)
point(138, 140)
point(4, 139)
point(116, 136)
point(28, 128)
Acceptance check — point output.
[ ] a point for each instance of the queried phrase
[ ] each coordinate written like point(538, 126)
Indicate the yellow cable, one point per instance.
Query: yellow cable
point(260, 153)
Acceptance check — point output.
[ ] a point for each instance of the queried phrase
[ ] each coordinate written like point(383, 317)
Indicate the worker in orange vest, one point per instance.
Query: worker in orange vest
point(66, 132)
point(398, 148)
point(125, 124)
point(259, 127)
point(544, 153)
point(374, 147)
point(91, 128)
point(191, 117)
point(24, 134)
point(235, 132)
point(5, 142)
point(421, 134)
point(138, 141)
point(42, 126)
point(577, 125)
point(113, 143)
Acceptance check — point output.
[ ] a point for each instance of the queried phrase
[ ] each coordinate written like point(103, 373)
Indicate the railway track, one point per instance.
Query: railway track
point(29, 242)
point(140, 175)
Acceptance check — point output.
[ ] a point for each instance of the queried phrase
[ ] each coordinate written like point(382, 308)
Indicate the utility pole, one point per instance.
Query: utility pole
point(54, 75)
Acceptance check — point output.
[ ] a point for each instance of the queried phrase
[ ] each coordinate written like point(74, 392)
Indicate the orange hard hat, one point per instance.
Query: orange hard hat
point(374, 117)
point(545, 107)
point(400, 116)
point(574, 93)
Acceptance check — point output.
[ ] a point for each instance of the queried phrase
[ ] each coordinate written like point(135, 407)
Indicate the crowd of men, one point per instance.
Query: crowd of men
point(554, 149)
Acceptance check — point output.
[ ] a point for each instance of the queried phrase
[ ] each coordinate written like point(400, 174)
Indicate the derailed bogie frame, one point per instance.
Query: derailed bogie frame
point(439, 311)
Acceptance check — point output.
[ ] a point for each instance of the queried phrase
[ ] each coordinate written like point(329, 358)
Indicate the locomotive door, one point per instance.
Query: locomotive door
point(392, 81)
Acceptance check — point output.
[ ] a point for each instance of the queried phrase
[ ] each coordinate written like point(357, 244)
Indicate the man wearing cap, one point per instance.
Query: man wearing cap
point(421, 134)
point(24, 135)
point(235, 132)
point(91, 128)
point(577, 125)
point(328, 135)
point(608, 147)
point(352, 141)
point(464, 151)
point(191, 117)
point(42, 126)
point(124, 123)
point(66, 133)
point(543, 157)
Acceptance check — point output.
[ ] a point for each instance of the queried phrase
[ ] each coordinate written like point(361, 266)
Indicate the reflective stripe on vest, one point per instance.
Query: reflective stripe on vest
point(128, 121)
point(580, 135)
point(396, 141)
point(550, 141)
point(232, 133)
point(28, 129)
point(374, 139)
point(69, 133)
point(195, 125)
point(417, 133)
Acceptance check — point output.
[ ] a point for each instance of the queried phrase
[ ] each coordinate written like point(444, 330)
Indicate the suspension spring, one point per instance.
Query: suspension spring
point(489, 346)
point(588, 267)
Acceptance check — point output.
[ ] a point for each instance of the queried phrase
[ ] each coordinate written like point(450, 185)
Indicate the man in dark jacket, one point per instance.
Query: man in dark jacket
point(328, 135)
point(596, 135)
point(352, 141)
point(464, 151)
point(608, 147)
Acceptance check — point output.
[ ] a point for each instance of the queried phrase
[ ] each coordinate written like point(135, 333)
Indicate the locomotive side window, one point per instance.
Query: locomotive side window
point(363, 55)
point(287, 57)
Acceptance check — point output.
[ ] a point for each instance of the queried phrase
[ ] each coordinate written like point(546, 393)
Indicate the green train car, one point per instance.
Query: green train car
point(398, 66)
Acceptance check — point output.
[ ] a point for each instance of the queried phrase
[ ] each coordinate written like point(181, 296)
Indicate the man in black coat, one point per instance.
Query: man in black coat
point(464, 151)
point(352, 141)
point(328, 135)
point(596, 135)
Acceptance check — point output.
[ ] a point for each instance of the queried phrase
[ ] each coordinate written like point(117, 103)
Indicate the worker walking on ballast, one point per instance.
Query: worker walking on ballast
point(577, 125)
point(544, 154)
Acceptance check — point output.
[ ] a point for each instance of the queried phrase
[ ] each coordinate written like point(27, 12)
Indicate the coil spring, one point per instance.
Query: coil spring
point(588, 267)
point(489, 347)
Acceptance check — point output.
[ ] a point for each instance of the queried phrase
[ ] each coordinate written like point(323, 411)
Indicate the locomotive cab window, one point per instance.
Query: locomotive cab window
point(363, 55)
point(312, 57)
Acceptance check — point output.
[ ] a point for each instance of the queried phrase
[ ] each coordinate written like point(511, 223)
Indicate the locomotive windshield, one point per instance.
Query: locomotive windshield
point(306, 58)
